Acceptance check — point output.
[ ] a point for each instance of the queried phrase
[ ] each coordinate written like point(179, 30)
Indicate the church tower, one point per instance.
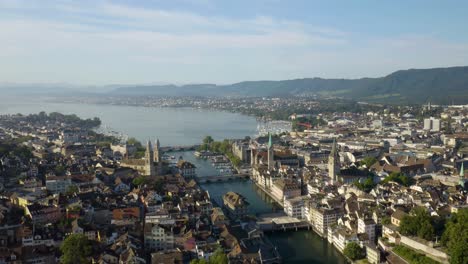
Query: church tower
point(149, 160)
point(462, 176)
point(333, 163)
point(270, 153)
point(157, 154)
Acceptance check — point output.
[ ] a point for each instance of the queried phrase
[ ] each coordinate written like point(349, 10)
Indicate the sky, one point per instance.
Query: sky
point(101, 42)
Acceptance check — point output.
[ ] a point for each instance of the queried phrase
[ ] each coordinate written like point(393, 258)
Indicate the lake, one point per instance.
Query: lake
point(173, 126)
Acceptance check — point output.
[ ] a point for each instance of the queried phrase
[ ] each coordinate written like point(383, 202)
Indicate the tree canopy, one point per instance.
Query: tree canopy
point(367, 185)
point(399, 178)
point(76, 248)
point(224, 147)
point(368, 161)
point(140, 180)
point(455, 237)
point(218, 257)
point(418, 223)
point(353, 251)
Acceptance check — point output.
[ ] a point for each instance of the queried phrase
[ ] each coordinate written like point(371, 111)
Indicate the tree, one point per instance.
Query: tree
point(455, 237)
point(199, 261)
point(72, 189)
point(134, 141)
point(159, 186)
point(367, 185)
point(353, 251)
point(207, 140)
point(418, 223)
point(140, 180)
point(368, 161)
point(60, 170)
point(76, 248)
point(218, 257)
point(386, 220)
point(399, 178)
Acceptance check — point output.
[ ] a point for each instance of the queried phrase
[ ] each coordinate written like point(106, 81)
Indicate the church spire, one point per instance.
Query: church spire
point(270, 143)
point(149, 158)
point(149, 152)
point(462, 175)
point(462, 171)
point(334, 163)
point(148, 145)
point(157, 153)
point(333, 150)
point(270, 153)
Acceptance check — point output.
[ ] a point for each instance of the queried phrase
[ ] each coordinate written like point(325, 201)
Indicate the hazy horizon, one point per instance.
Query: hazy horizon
point(223, 42)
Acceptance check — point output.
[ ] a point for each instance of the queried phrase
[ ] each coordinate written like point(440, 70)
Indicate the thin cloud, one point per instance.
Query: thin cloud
point(100, 42)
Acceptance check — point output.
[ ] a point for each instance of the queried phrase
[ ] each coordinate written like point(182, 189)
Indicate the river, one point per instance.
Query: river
point(186, 126)
point(295, 247)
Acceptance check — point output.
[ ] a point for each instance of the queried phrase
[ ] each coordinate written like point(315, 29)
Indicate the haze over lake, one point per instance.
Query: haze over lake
point(173, 126)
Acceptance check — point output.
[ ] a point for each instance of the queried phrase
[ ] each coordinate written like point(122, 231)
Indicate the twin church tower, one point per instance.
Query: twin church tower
point(150, 165)
point(152, 156)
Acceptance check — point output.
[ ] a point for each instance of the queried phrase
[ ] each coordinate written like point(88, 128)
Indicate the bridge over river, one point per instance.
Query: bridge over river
point(222, 178)
point(179, 148)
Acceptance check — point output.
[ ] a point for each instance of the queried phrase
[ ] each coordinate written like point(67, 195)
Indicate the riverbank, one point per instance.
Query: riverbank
point(295, 247)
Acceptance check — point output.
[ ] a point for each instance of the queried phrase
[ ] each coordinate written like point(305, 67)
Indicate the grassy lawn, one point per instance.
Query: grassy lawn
point(412, 256)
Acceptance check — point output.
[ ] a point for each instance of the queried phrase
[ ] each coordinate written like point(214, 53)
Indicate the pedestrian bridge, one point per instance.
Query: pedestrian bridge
point(179, 148)
point(222, 178)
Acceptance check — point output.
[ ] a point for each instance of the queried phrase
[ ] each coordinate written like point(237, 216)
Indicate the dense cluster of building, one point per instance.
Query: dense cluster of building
point(333, 179)
point(319, 175)
point(132, 210)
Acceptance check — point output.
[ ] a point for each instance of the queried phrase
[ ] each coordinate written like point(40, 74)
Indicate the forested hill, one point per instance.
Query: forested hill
point(438, 85)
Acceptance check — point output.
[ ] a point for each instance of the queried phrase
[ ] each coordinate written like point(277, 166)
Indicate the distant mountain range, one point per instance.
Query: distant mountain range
point(438, 85)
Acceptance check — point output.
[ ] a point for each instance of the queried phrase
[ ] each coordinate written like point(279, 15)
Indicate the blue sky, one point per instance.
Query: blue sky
point(199, 41)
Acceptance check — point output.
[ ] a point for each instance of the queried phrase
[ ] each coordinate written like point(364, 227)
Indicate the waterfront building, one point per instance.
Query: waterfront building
point(341, 236)
point(322, 218)
point(367, 226)
point(186, 169)
point(296, 207)
point(372, 254)
point(242, 150)
point(285, 189)
point(235, 204)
